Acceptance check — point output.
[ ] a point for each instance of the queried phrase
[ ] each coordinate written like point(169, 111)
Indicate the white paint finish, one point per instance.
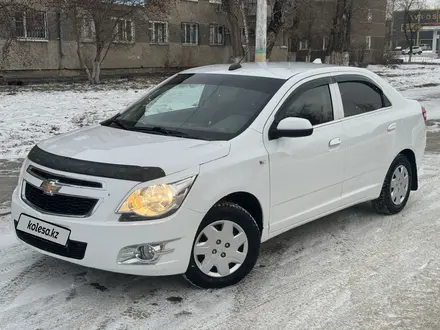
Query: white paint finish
point(281, 70)
point(369, 148)
point(306, 176)
point(294, 180)
point(111, 145)
point(246, 169)
point(306, 173)
point(335, 142)
point(106, 238)
point(294, 124)
point(372, 140)
point(392, 127)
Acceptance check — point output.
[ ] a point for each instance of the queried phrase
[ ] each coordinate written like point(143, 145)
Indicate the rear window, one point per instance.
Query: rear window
point(359, 97)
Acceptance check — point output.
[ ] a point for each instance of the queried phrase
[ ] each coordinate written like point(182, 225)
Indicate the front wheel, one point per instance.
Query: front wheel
point(396, 187)
point(226, 247)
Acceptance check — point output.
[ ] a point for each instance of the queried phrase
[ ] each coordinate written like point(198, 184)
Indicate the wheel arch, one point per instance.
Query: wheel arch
point(409, 154)
point(249, 202)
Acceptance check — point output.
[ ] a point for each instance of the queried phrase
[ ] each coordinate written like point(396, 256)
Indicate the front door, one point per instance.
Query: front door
point(306, 173)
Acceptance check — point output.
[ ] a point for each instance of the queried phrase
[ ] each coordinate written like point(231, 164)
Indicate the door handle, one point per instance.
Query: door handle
point(392, 127)
point(335, 142)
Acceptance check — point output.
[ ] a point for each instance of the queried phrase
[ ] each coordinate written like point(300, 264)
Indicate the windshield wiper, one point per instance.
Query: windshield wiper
point(160, 130)
point(114, 120)
point(118, 123)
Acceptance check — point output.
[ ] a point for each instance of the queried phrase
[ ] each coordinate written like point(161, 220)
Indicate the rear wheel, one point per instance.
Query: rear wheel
point(226, 247)
point(396, 187)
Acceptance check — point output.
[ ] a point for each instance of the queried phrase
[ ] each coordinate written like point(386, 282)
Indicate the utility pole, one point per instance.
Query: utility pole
point(261, 31)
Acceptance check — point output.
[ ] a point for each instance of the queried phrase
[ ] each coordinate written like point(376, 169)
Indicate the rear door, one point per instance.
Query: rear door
point(368, 133)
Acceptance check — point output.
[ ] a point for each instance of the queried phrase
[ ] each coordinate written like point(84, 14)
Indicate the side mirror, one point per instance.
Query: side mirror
point(291, 127)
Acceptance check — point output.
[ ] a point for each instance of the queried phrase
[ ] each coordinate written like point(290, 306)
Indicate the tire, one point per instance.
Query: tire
point(389, 203)
point(222, 219)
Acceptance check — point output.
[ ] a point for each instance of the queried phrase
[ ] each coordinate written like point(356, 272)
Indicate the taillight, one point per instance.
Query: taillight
point(424, 114)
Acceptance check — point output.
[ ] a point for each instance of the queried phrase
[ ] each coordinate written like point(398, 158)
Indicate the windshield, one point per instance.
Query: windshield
point(200, 106)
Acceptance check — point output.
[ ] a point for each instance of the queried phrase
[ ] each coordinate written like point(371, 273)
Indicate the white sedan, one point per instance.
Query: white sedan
point(215, 160)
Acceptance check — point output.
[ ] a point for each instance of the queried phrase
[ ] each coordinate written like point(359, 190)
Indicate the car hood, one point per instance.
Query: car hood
point(116, 146)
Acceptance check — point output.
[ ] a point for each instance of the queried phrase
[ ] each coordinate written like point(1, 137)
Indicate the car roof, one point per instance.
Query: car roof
point(280, 70)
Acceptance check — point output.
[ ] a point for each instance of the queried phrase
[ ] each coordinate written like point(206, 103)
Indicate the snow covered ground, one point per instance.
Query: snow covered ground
point(426, 57)
point(29, 116)
point(351, 270)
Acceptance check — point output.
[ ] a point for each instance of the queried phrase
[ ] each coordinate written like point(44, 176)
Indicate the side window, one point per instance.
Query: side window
point(314, 104)
point(358, 98)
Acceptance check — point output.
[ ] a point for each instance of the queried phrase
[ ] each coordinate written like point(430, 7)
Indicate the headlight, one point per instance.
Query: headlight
point(155, 201)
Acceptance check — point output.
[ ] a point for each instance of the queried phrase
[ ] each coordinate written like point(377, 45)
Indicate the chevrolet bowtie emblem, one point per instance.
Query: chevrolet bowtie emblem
point(50, 187)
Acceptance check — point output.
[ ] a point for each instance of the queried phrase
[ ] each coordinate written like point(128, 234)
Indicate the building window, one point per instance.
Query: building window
point(190, 33)
point(124, 30)
point(303, 45)
point(31, 25)
point(88, 32)
point(216, 34)
point(368, 42)
point(158, 32)
point(369, 16)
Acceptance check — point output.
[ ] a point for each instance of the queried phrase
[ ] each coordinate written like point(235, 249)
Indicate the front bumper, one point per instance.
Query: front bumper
point(103, 240)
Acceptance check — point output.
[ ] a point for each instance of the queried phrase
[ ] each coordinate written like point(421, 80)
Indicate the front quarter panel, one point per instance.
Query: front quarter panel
point(245, 169)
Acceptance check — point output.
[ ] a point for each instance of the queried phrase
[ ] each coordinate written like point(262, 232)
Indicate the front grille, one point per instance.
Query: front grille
point(73, 249)
point(59, 204)
point(61, 179)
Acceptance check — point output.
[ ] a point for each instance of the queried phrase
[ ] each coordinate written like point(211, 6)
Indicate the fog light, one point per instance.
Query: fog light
point(147, 253)
point(143, 254)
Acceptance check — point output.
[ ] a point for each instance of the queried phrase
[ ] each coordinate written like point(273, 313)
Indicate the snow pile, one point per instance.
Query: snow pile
point(426, 57)
point(408, 76)
point(30, 116)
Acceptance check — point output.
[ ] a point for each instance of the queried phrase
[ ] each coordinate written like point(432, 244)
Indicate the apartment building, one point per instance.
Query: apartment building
point(192, 33)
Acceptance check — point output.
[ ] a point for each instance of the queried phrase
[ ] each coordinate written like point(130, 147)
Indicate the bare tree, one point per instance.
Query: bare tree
point(307, 16)
point(340, 32)
point(411, 20)
point(236, 14)
point(339, 40)
point(283, 15)
point(244, 15)
point(391, 7)
point(103, 23)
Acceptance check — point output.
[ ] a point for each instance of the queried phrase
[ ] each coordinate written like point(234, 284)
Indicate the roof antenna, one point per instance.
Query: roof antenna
point(237, 65)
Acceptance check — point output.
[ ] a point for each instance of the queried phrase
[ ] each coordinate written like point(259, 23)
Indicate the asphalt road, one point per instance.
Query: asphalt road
point(350, 270)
